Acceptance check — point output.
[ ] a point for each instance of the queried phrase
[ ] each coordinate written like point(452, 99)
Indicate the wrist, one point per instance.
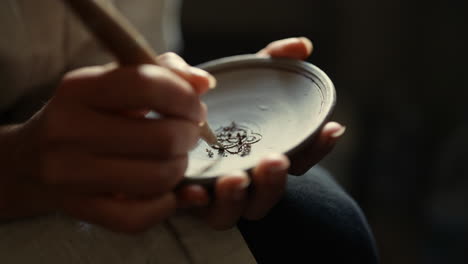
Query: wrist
point(16, 153)
point(20, 194)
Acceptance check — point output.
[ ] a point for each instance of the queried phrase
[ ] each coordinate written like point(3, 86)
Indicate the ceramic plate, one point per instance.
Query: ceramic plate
point(268, 105)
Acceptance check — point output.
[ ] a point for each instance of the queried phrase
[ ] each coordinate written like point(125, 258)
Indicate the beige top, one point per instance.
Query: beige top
point(40, 41)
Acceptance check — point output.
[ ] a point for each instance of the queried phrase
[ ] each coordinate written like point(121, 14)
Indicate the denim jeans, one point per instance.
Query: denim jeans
point(315, 222)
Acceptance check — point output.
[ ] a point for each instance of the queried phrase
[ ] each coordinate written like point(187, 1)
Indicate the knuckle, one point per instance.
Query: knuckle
point(152, 80)
point(190, 105)
point(146, 76)
point(149, 77)
point(169, 56)
point(191, 101)
point(171, 143)
point(182, 93)
point(75, 80)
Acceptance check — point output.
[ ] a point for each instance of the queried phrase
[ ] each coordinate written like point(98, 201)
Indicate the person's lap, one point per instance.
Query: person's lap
point(315, 222)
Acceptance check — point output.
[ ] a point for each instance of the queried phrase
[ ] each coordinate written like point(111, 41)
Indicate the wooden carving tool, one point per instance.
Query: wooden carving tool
point(123, 41)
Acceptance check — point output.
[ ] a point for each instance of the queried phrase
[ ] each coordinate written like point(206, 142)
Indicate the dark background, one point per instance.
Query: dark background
point(400, 72)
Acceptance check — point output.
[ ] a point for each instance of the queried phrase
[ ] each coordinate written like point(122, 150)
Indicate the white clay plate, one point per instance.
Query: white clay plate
point(285, 101)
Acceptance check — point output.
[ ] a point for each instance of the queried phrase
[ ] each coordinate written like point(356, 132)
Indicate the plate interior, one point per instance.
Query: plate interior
point(282, 105)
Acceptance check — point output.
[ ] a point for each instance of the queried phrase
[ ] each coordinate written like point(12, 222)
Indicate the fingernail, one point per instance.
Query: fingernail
point(110, 66)
point(205, 74)
point(243, 180)
point(339, 132)
point(148, 70)
point(212, 82)
point(308, 43)
point(198, 72)
point(240, 190)
point(244, 183)
point(263, 54)
point(278, 166)
point(278, 163)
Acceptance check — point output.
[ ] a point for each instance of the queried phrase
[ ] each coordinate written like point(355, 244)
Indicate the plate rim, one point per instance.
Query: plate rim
point(309, 70)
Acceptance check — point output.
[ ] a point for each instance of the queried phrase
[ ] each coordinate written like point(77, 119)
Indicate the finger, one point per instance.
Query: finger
point(192, 196)
point(133, 88)
point(130, 216)
point(93, 174)
point(269, 181)
point(322, 145)
point(230, 200)
point(198, 78)
point(89, 72)
point(294, 48)
point(115, 135)
point(326, 140)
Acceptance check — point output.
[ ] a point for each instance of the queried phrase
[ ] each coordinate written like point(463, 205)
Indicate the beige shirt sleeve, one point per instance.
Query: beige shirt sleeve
point(41, 40)
point(157, 20)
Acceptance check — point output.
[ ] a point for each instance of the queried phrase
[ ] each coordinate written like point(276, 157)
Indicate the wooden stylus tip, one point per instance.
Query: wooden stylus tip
point(208, 135)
